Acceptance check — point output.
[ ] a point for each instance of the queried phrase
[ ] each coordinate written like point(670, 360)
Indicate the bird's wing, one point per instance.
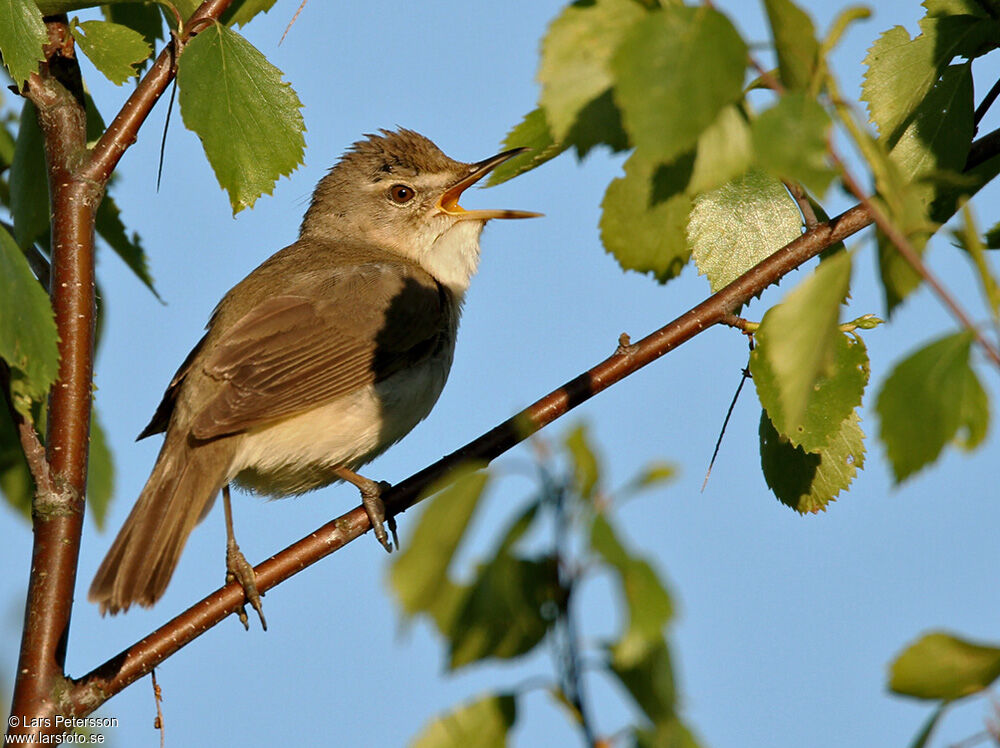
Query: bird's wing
point(294, 352)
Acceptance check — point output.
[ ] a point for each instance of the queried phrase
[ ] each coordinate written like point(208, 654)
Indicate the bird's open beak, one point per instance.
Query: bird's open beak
point(448, 202)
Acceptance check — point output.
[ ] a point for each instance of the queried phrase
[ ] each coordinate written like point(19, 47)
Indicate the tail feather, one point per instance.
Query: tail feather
point(176, 497)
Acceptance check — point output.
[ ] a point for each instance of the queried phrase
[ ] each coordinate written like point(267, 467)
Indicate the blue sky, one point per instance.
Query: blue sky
point(786, 623)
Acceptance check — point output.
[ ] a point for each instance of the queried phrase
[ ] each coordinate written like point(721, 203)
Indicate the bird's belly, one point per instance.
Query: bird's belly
point(300, 453)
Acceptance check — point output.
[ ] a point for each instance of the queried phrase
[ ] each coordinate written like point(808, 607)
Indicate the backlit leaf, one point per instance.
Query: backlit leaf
point(943, 666)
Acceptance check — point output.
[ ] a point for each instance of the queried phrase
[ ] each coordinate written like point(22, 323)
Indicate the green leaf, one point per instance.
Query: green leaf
point(576, 55)
point(100, 473)
point(248, 119)
point(643, 233)
point(114, 49)
point(242, 12)
point(790, 141)
point(418, 573)
point(646, 599)
point(586, 468)
point(29, 186)
point(532, 132)
point(671, 733)
point(683, 54)
point(735, 226)
point(794, 42)
point(724, 151)
point(22, 36)
point(507, 612)
point(649, 681)
point(808, 481)
point(652, 475)
point(810, 376)
point(968, 239)
point(901, 71)
point(110, 228)
point(943, 666)
point(28, 339)
point(144, 18)
point(485, 723)
point(931, 398)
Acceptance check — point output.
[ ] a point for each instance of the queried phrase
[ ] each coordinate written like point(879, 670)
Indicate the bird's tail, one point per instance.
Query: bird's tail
point(176, 497)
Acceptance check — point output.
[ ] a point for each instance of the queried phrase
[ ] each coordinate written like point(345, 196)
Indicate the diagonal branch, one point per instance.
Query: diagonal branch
point(94, 688)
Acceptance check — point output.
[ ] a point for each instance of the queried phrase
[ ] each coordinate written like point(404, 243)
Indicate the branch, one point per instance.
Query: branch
point(96, 687)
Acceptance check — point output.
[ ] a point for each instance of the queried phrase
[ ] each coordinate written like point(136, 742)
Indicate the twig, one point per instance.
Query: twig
point(986, 103)
point(745, 375)
point(158, 698)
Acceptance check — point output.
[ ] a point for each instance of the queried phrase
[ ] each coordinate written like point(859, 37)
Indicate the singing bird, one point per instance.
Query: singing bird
point(327, 354)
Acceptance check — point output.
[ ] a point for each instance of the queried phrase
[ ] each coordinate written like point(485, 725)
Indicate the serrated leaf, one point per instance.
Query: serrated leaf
point(943, 666)
point(114, 49)
point(100, 473)
point(810, 376)
point(808, 481)
point(29, 186)
point(586, 468)
point(680, 54)
point(649, 681)
point(576, 54)
point(790, 141)
point(248, 119)
point(724, 152)
point(927, 400)
point(485, 723)
point(242, 12)
point(643, 233)
point(794, 42)
point(954, 8)
point(646, 599)
point(902, 70)
point(28, 339)
point(734, 227)
point(532, 132)
point(22, 36)
point(110, 228)
point(419, 571)
point(144, 18)
point(507, 611)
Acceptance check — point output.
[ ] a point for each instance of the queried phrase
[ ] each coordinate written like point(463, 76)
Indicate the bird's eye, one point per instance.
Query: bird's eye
point(400, 193)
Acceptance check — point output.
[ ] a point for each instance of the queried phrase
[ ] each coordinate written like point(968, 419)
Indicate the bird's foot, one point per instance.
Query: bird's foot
point(371, 500)
point(239, 570)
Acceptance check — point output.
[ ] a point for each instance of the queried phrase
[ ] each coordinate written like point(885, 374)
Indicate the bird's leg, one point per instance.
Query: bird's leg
point(371, 500)
point(238, 569)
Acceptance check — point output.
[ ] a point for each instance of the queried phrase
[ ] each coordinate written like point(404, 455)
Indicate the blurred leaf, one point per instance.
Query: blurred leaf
point(643, 234)
point(649, 681)
point(808, 481)
point(927, 400)
point(114, 49)
point(485, 723)
point(724, 151)
point(646, 599)
point(735, 226)
point(110, 228)
point(654, 474)
point(22, 36)
point(576, 55)
point(100, 473)
point(669, 734)
point(418, 573)
point(224, 81)
point(518, 528)
point(942, 666)
point(901, 71)
point(683, 54)
point(840, 24)
point(993, 237)
point(505, 613)
point(794, 42)
point(968, 239)
point(16, 482)
point(934, 142)
point(809, 375)
point(790, 141)
point(28, 339)
point(586, 469)
point(29, 186)
point(242, 12)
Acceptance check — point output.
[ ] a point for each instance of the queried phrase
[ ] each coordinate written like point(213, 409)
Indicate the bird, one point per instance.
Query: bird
point(323, 357)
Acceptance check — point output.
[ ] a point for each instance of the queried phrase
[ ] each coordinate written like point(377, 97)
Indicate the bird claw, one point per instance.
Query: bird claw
point(371, 500)
point(239, 570)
